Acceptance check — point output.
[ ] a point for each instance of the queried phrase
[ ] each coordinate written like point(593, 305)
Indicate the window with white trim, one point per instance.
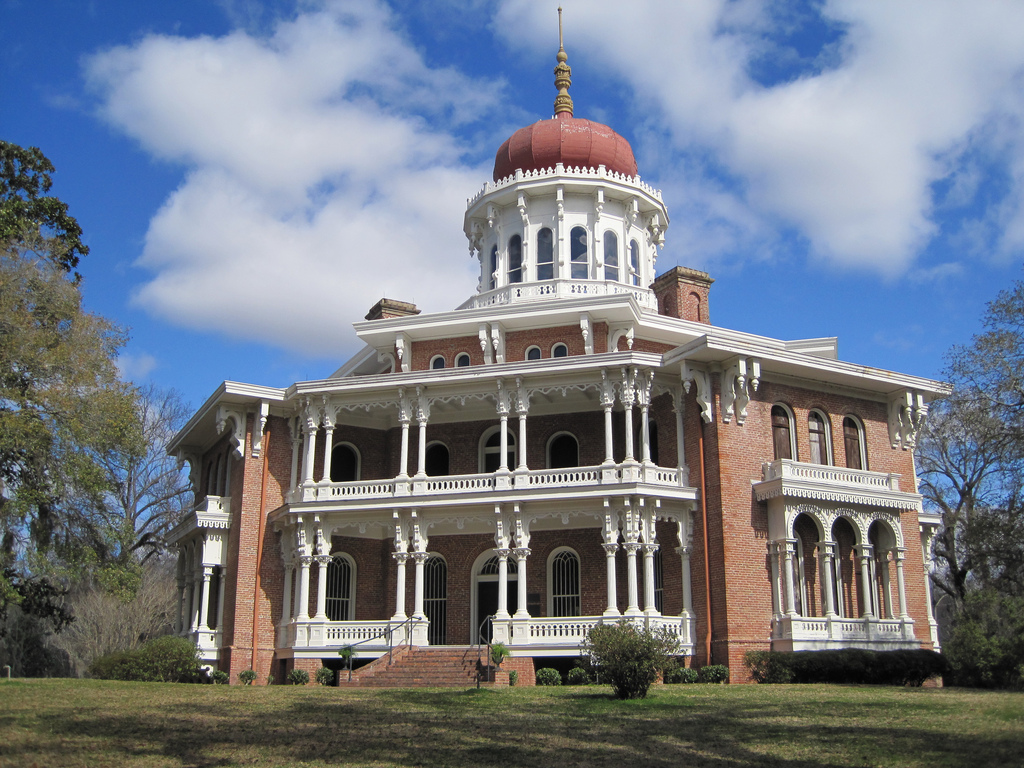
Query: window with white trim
point(559, 350)
point(817, 426)
point(563, 451)
point(634, 262)
point(782, 432)
point(545, 254)
point(611, 256)
point(490, 450)
point(578, 254)
point(462, 361)
point(437, 362)
point(341, 588)
point(533, 353)
point(564, 583)
point(344, 463)
point(515, 259)
point(853, 439)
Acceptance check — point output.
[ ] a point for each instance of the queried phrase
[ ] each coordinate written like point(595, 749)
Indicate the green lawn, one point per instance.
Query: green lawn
point(85, 722)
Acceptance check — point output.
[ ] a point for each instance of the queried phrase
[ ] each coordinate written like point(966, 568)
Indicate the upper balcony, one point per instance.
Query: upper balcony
point(796, 479)
point(560, 289)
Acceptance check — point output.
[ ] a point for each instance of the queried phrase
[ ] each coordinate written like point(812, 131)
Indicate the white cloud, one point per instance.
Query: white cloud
point(133, 367)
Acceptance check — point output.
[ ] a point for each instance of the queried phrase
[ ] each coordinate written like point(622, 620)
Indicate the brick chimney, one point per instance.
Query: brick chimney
point(683, 292)
point(386, 308)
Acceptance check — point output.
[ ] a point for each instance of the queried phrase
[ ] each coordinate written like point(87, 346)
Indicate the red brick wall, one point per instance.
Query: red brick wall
point(424, 351)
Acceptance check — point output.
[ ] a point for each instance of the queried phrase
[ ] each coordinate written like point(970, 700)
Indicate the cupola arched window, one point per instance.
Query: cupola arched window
point(611, 256)
point(634, 262)
point(341, 583)
point(580, 266)
point(816, 425)
point(853, 437)
point(564, 581)
point(515, 259)
point(344, 464)
point(545, 254)
point(782, 432)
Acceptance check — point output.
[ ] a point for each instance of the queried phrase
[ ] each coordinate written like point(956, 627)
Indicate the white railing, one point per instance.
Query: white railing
point(547, 289)
point(459, 484)
point(798, 470)
point(365, 488)
point(601, 172)
point(562, 477)
point(836, 632)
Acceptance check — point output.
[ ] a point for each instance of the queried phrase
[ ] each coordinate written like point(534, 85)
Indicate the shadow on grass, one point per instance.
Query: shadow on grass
point(523, 727)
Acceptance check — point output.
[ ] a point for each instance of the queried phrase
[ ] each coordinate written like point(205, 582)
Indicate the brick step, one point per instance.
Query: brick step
point(422, 667)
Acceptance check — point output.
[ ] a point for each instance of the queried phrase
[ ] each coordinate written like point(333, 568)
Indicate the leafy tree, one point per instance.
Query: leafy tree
point(986, 647)
point(629, 657)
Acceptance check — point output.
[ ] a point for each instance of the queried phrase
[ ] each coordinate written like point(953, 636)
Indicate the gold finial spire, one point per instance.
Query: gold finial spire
point(563, 75)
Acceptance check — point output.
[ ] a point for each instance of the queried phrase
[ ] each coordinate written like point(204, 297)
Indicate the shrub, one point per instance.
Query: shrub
point(986, 646)
point(769, 666)
point(681, 675)
point(166, 659)
point(629, 657)
point(577, 676)
point(513, 677)
point(548, 676)
point(246, 677)
point(325, 676)
point(220, 677)
point(298, 677)
point(270, 679)
point(713, 673)
point(850, 666)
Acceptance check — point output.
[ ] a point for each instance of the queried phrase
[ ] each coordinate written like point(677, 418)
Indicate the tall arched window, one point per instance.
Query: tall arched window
point(344, 464)
point(564, 583)
point(854, 441)
point(634, 262)
point(341, 588)
point(580, 263)
point(545, 255)
point(515, 259)
point(490, 458)
point(437, 460)
point(563, 451)
point(492, 280)
point(435, 599)
point(782, 432)
point(611, 256)
point(816, 425)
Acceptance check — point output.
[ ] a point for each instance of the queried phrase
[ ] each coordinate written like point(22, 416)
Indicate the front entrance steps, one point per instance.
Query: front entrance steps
point(422, 667)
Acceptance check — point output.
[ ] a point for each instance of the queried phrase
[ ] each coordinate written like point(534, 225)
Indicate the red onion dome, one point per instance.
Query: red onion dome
point(565, 139)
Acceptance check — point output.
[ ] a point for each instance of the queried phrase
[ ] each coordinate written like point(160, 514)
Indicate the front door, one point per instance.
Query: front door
point(487, 603)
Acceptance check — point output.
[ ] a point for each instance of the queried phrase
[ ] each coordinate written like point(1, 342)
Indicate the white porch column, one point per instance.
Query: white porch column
point(502, 612)
point(522, 409)
point(773, 555)
point(684, 556)
point(826, 556)
point(927, 535)
point(296, 433)
point(628, 396)
point(197, 593)
point(883, 564)
point(220, 601)
point(650, 604)
point(204, 615)
point(632, 607)
point(421, 456)
point(400, 558)
point(787, 570)
point(678, 406)
point(521, 554)
point(867, 588)
point(328, 451)
point(613, 597)
point(309, 434)
point(503, 463)
point(404, 418)
point(420, 558)
point(900, 554)
point(608, 402)
point(286, 605)
point(303, 606)
point(321, 586)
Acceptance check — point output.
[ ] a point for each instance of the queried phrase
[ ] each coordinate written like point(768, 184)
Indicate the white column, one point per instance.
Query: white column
point(304, 561)
point(650, 604)
point(204, 615)
point(521, 554)
point(680, 441)
point(421, 459)
point(286, 606)
point(503, 464)
point(645, 435)
point(684, 555)
point(632, 607)
point(296, 443)
point(613, 596)
point(787, 575)
point(628, 413)
point(900, 554)
point(328, 451)
point(502, 612)
point(220, 601)
point(522, 441)
point(197, 592)
point(867, 588)
point(773, 554)
point(400, 558)
point(403, 457)
point(321, 586)
point(608, 402)
point(883, 564)
point(307, 466)
point(420, 558)
point(826, 553)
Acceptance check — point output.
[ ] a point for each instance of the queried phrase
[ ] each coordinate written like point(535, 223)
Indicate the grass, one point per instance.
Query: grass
point(72, 723)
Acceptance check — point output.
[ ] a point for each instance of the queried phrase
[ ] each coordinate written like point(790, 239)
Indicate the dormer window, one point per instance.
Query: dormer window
point(545, 254)
point(515, 259)
point(533, 353)
point(611, 256)
point(559, 350)
point(462, 361)
point(580, 266)
point(437, 362)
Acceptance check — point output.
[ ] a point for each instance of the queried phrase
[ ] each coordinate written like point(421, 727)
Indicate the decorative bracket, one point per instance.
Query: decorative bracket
point(236, 417)
point(907, 412)
point(695, 376)
point(403, 349)
point(259, 425)
point(588, 336)
point(523, 208)
point(740, 377)
point(485, 344)
point(498, 342)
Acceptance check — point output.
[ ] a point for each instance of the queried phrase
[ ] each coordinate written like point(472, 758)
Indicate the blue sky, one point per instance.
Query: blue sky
point(253, 176)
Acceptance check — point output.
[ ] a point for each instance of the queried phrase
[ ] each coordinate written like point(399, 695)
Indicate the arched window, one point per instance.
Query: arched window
point(462, 361)
point(515, 259)
point(545, 255)
point(782, 432)
point(490, 454)
point(816, 425)
point(634, 262)
point(580, 266)
point(564, 583)
point(563, 451)
point(853, 437)
point(611, 256)
point(437, 361)
point(344, 463)
point(533, 353)
point(341, 588)
point(559, 350)
point(437, 460)
point(435, 599)
point(652, 433)
point(492, 280)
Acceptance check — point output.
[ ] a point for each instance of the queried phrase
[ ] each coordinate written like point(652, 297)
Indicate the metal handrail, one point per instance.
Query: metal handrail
point(390, 632)
point(480, 644)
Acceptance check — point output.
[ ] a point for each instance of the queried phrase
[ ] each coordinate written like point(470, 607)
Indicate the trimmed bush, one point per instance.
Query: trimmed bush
point(548, 676)
point(325, 676)
point(220, 677)
point(847, 666)
point(298, 677)
point(713, 673)
point(681, 675)
point(577, 676)
point(513, 677)
point(246, 677)
point(628, 657)
point(166, 659)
